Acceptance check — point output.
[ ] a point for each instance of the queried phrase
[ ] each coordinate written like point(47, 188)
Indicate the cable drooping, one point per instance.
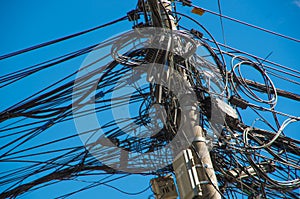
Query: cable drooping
point(251, 160)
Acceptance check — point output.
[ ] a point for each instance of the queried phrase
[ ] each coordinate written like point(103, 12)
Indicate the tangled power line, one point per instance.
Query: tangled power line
point(252, 158)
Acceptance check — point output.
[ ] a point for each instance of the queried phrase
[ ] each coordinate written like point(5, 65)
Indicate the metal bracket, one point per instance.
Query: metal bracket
point(206, 166)
point(200, 139)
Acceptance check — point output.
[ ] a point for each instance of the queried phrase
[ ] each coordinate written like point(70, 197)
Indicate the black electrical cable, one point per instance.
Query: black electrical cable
point(221, 21)
point(94, 185)
point(223, 64)
point(261, 59)
point(60, 39)
point(233, 152)
point(125, 192)
point(250, 25)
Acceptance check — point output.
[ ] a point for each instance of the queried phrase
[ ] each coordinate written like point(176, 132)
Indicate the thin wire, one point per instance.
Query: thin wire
point(60, 39)
point(93, 185)
point(127, 193)
point(256, 57)
point(284, 78)
point(221, 21)
point(250, 25)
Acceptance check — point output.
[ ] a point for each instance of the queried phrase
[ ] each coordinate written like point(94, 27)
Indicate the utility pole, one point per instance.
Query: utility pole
point(205, 172)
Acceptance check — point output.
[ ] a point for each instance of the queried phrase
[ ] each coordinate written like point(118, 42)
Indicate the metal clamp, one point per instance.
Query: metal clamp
point(206, 166)
point(199, 139)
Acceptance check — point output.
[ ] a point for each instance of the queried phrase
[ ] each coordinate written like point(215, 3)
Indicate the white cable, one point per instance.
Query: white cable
point(244, 87)
point(282, 127)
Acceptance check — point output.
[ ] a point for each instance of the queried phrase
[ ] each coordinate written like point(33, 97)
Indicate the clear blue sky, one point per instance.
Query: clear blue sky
point(30, 22)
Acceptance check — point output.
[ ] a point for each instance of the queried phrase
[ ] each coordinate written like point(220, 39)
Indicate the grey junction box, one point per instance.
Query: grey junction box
point(186, 175)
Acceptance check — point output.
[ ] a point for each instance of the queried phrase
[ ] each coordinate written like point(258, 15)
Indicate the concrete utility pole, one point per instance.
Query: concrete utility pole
point(168, 18)
point(206, 173)
point(205, 170)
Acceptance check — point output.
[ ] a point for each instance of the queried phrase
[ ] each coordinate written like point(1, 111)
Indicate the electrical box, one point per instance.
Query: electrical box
point(226, 108)
point(186, 176)
point(164, 187)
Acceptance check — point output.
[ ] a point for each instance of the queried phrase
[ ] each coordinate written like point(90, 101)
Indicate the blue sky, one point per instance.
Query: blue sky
point(30, 22)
